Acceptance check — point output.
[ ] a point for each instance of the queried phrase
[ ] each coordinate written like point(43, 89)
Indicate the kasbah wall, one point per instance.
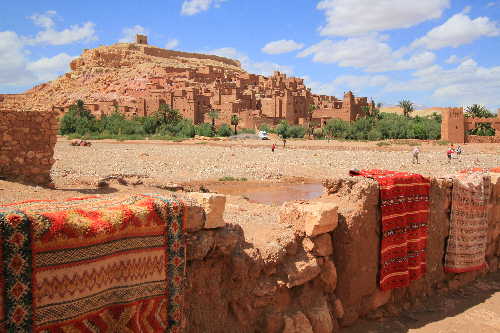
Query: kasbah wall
point(455, 125)
point(27, 140)
point(256, 99)
point(326, 276)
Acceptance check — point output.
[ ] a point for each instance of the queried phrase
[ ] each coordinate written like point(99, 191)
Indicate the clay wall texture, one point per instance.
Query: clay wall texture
point(356, 248)
point(324, 277)
point(27, 141)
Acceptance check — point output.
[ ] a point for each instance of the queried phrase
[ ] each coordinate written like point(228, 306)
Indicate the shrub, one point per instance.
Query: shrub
point(224, 130)
point(203, 130)
point(318, 133)
point(232, 179)
point(296, 131)
point(265, 128)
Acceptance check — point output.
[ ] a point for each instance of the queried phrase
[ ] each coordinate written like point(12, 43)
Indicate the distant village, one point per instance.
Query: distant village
point(256, 99)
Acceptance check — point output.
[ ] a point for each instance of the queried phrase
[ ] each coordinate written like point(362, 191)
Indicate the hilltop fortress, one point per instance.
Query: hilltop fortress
point(136, 78)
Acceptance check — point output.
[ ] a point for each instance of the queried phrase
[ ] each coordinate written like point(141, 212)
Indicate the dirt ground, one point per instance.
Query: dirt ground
point(472, 309)
point(202, 163)
point(252, 159)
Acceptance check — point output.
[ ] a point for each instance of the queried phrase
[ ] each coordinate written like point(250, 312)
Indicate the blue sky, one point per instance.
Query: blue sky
point(433, 52)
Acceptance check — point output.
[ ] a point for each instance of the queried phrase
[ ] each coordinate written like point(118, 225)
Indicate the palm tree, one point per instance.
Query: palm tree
point(213, 114)
point(80, 107)
point(310, 112)
point(478, 111)
point(407, 107)
point(234, 121)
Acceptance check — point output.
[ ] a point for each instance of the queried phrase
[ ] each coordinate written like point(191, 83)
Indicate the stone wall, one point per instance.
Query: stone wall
point(27, 141)
point(356, 247)
point(323, 278)
point(157, 52)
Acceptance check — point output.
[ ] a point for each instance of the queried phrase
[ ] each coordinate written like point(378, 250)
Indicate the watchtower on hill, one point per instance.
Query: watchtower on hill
point(141, 39)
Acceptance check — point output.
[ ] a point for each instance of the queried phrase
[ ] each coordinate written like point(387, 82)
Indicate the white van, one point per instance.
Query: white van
point(263, 135)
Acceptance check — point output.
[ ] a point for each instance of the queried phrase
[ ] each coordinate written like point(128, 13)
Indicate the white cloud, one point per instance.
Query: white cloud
point(128, 34)
point(47, 69)
point(192, 7)
point(356, 17)
point(458, 30)
point(75, 33)
point(467, 83)
point(454, 59)
point(13, 60)
point(491, 4)
point(44, 20)
point(262, 68)
point(346, 82)
point(172, 43)
point(281, 46)
point(369, 52)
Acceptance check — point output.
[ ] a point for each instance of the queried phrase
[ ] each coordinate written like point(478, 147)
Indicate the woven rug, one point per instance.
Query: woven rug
point(94, 264)
point(404, 200)
point(466, 248)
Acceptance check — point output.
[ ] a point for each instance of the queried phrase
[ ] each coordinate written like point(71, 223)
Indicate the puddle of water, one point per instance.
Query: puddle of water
point(273, 194)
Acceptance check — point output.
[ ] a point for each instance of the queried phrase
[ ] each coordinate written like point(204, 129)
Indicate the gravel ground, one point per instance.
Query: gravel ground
point(191, 161)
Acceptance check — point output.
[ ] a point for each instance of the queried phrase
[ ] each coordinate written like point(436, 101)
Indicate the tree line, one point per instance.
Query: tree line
point(168, 123)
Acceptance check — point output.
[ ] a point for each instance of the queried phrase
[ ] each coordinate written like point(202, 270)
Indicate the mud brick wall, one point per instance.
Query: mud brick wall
point(482, 139)
point(356, 248)
point(27, 140)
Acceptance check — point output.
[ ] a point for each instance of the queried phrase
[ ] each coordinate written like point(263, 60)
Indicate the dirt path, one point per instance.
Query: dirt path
point(472, 309)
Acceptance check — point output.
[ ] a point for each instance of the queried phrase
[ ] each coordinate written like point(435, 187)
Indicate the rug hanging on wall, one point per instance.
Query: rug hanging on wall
point(466, 248)
point(404, 201)
point(94, 264)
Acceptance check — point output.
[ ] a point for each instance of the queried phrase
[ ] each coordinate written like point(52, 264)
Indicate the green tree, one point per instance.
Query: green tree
point(213, 114)
point(479, 111)
point(78, 120)
point(167, 116)
point(235, 121)
point(80, 107)
point(407, 107)
point(336, 128)
point(283, 130)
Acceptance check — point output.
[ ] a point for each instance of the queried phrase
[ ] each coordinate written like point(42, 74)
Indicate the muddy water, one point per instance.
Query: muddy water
point(271, 194)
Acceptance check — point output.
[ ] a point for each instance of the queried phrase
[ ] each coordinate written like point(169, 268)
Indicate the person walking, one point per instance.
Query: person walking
point(416, 151)
point(458, 151)
point(273, 147)
point(449, 152)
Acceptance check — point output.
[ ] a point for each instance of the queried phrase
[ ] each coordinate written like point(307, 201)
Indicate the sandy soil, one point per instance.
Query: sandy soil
point(472, 309)
point(194, 163)
point(253, 159)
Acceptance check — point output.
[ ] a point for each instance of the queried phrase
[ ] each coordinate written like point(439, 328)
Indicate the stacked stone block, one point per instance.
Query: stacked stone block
point(27, 140)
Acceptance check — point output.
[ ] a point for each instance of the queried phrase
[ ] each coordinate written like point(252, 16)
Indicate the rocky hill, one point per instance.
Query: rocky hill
point(107, 73)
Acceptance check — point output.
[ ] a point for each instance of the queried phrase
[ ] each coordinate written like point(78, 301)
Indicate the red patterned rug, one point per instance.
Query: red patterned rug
point(94, 264)
point(466, 248)
point(404, 199)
